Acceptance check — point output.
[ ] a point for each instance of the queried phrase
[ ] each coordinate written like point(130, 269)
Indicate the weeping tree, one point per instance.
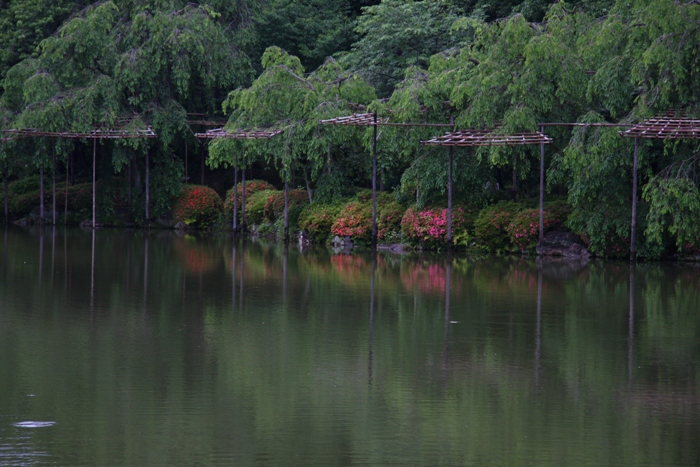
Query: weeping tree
point(129, 69)
point(283, 97)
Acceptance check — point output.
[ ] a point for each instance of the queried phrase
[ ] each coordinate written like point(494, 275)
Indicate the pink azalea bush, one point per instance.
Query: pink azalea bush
point(428, 227)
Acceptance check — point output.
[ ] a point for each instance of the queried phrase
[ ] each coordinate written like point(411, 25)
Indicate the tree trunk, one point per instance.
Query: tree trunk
point(309, 190)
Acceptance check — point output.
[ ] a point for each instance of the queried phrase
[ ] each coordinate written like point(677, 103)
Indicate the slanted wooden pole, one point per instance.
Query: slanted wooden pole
point(374, 185)
point(541, 187)
point(633, 252)
point(449, 189)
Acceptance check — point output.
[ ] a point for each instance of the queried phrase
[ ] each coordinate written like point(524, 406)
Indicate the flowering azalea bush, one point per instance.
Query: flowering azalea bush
point(428, 227)
point(197, 206)
point(251, 186)
point(317, 220)
point(354, 220)
point(274, 203)
point(491, 226)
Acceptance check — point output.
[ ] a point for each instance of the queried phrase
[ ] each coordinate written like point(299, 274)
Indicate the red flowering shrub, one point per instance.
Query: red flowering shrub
point(317, 220)
point(354, 220)
point(428, 227)
point(274, 204)
point(197, 206)
point(251, 186)
point(490, 226)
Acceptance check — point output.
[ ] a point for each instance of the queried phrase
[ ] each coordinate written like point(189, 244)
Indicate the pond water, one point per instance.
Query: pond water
point(135, 349)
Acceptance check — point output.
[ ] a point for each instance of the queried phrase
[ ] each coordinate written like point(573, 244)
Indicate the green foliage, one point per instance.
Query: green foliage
point(317, 219)
point(197, 206)
point(396, 35)
point(674, 207)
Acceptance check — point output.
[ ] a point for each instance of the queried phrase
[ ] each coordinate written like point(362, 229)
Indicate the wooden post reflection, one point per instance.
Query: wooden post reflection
point(242, 260)
point(92, 274)
point(41, 254)
point(630, 335)
point(4, 254)
point(448, 290)
point(233, 274)
point(145, 274)
point(538, 332)
point(370, 339)
point(284, 275)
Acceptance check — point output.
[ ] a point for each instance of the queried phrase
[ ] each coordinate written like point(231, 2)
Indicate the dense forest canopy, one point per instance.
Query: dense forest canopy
point(71, 66)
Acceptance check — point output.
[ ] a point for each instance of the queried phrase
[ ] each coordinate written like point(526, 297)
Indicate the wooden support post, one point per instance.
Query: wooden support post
point(94, 182)
point(53, 184)
point(41, 196)
point(374, 185)
point(243, 224)
point(542, 187)
point(449, 189)
point(633, 233)
point(148, 190)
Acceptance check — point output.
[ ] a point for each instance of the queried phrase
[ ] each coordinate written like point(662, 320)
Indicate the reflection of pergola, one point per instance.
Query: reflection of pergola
point(98, 133)
point(668, 126)
point(487, 137)
point(256, 134)
point(371, 119)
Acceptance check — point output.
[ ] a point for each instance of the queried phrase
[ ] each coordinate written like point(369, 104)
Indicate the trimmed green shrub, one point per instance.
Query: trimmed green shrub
point(274, 205)
point(197, 206)
point(251, 186)
point(255, 205)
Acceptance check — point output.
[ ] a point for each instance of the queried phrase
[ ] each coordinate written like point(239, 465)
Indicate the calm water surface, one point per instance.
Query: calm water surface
point(135, 349)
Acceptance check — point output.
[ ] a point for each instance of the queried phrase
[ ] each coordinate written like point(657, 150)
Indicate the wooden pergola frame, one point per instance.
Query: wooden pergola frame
point(667, 126)
point(95, 134)
point(255, 134)
point(490, 137)
point(371, 119)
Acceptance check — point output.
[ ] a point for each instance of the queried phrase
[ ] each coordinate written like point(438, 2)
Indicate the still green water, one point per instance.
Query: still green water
point(135, 349)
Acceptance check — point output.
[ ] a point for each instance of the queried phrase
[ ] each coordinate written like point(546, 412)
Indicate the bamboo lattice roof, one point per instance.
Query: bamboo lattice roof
point(238, 134)
point(366, 119)
point(486, 138)
point(665, 127)
point(93, 134)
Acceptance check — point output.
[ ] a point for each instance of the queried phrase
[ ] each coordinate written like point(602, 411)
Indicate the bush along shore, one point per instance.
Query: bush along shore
point(503, 227)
